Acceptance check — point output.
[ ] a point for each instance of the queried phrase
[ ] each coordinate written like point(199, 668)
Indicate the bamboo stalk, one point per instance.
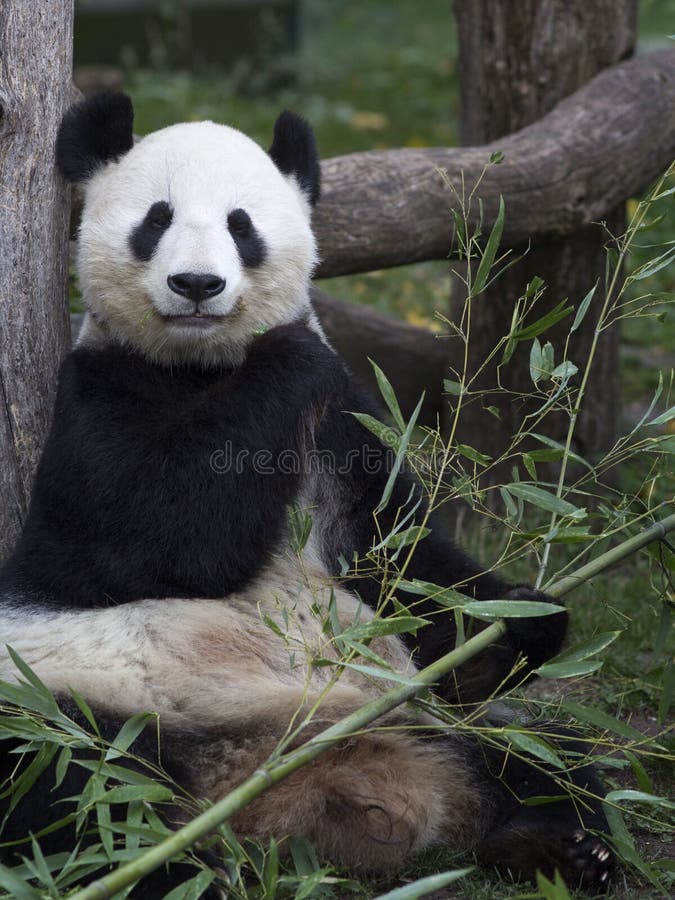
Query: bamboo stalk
point(613, 556)
point(274, 771)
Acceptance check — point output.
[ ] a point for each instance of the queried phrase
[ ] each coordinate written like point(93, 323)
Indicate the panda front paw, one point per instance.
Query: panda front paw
point(538, 638)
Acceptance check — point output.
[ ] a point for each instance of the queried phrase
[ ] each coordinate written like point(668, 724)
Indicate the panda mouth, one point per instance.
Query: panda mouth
point(203, 320)
point(194, 320)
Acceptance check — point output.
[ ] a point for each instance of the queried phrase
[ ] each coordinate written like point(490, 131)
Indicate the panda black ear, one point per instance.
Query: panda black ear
point(294, 152)
point(92, 132)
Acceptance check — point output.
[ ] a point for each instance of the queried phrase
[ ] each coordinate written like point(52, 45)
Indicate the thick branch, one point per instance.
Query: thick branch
point(595, 149)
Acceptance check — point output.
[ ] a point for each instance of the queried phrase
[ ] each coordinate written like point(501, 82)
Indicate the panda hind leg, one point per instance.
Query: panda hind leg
point(373, 802)
point(555, 835)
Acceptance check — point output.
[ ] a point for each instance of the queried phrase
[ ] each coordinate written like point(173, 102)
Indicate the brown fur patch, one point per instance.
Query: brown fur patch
point(368, 803)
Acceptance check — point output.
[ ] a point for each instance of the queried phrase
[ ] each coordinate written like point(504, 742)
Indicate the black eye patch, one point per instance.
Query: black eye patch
point(251, 247)
point(144, 238)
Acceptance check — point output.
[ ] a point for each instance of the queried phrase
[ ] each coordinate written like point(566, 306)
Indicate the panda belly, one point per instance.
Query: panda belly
point(201, 661)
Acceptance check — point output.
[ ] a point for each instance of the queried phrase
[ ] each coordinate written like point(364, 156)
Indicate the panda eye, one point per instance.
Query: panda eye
point(239, 223)
point(159, 215)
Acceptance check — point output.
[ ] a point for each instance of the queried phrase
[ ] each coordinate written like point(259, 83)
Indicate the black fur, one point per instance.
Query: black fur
point(250, 245)
point(93, 132)
point(130, 457)
point(145, 237)
point(294, 152)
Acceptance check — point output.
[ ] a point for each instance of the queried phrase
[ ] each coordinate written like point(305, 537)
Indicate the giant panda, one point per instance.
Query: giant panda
point(156, 569)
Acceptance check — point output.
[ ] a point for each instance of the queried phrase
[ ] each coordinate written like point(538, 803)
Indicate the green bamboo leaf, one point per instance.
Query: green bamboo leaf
point(425, 886)
point(509, 503)
point(128, 733)
point(62, 764)
point(39, 866)
point(398, 461)
point(28, 777)
point(380, 627)
point(583, 308)
point(104, 824)
point(375, 672)
point(42, 697)
point(564, 371)
point(510, 609)
point(545, 500)
point(644, 781)
point(536, 361)
point(528, 462)
point(655, 265)
point(602, 720)
point(559, 312)
point(481, 458)
point(664, 417)
point(544, 799)
point(407, 537)
point(446, 597)
point(389, 395)
point(452, 387)
point(552, 890)
point(549, 442)
point(270, 877)
point(534, 286)
point(490, 252)
point(639, 797)
point(150, 793)
point(85, 709)
point(589, 648)
point(535, 745)
point(384, 433)
point(571, 669)
point(194, 887)
point(16, 887)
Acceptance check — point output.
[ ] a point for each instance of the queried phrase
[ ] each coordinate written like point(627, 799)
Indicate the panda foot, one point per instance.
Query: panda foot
point(538, 638)
point(521, 847)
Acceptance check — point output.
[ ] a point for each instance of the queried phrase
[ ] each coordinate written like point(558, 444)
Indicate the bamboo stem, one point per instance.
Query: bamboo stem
point(274, 771)
point(613, 556)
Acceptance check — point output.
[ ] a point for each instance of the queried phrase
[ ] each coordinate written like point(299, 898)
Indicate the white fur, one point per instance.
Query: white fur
point(201, 661)
point(204, 171)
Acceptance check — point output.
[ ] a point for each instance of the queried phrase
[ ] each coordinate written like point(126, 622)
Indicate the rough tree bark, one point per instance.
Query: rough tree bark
point(517, 60)
point(35, 79)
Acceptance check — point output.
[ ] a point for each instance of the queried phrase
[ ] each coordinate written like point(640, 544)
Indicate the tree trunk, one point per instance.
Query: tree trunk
point(35, 85)
point(517, 60)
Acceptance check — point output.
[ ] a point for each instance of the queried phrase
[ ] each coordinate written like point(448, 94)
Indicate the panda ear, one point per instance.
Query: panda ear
point(294, 152)
point(93, 132)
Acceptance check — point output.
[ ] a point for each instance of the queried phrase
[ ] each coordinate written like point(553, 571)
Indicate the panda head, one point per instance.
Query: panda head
point(193, 239)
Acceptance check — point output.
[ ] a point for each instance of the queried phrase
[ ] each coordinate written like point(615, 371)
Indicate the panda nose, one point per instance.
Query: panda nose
point(195, 286)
